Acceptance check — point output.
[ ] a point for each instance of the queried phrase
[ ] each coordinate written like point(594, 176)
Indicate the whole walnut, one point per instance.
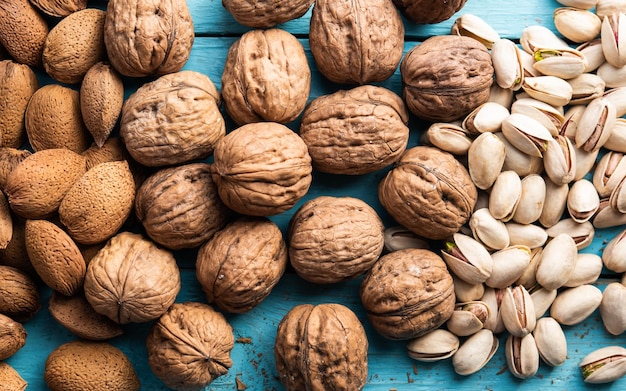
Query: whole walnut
point(429, 192)
point(242, 263)
point(408, 293)
point(322, 347)
point(332, 239)
point(131, 279)
point(355, 131)
point(179, 207)
point(356, 42)
point(261, 169)
point(189, 346)
point(429, 11)
point(266, 77)
point(148, 38)
point(446, 77)
point(173, 119)
point(266, 13)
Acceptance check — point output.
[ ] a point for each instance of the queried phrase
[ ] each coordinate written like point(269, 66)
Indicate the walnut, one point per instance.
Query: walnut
point(261, 169)
point(446, 77)
point(321, 347)
point(428, 11)
point(189, 346)
point(241, 264)
point(355, 131)
point(266, 13)
point(408, 293)
point(148, 38)
point(429, 192)
point(356, 42)
point(332, 239)
point(173, 119)
point(266, 77)
point(179, 206)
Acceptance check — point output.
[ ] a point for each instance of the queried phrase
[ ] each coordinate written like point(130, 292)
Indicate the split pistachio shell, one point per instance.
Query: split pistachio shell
point(528, 279)
point(617, 199)
point(550, 89)
point(557, 262)
point(608, 7)
point(612, 309)
point(537, 36)
point(559, 160)
point(531, 200)
point(596, 124)
point(464, 291)
point(592, 50)
point(551, 341)
point(493, 298)
point(585, 88)
point(488, 230)
point(518, 311)
point(586, 270)
point(448, 137)
point(554, 204)
point(577, 25)
point(470, 25)
point(508, 265)
point(604, 365)
point(542, 299)
point(617, 96)
point(574, 305)
point(522, 356)
point(582, 233)
point(501, 96)
point(584, 162)
point(505, 194)
point(438, 344)
point(613, 77)
point(610, 170)
point(468, 318)
point(475, 352)
point(507, 62)
point(526, 134)
point(562, 63)
point(485, 159)
point(617, 139)
point(521, 163)
point(607, 217)
point(582, 200)
point(572, 119)
point(614, 254)
point(468, 258)
point(487, 117)
point(613, 37)
point(528, 66)
point(546, 114)
point(530, 235)
point(399, 238)
point(580, 4)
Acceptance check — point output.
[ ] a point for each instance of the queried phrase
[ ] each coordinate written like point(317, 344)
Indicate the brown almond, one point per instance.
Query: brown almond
point(12, 337)
point(15, 254)
point(10, 380)
point(23, 31)
point(37, 185)
point(55, 256)
point(6, 222)
point(74, 45)
point(53, 120)
point(101, 100)
point(9, 159)
point(18, 83)
point(95, 208)
point(59, 8)
point(19, 296)
point(112, 150)
point(78, 316)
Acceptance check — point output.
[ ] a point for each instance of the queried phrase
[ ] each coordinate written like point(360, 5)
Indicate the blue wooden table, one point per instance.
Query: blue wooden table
point(389, 366)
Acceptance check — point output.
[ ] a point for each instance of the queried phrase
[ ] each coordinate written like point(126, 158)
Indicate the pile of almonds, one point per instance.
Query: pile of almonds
point(523, 160)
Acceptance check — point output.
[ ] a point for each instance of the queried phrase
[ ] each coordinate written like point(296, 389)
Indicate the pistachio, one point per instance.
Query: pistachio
point(586, 270)
point(610, 170)
point(614, 254)
point(617, 96)
point(531, 199)
point(467, 258)
point(475, 352)
point(464, 291)
point(485, 159)
point(508, 265)
point(613, 77)
point(573, 305)
point(582, 200)
point(580, 4)
point(528, 279)
point(546, 114)
point(604, 365)
point(448, 137)
point(607, 217)
point(617, 199)
point(551, 341)
point(493, 298)
point(612, 308)
point(488, 230)
point(557, 262)
point(537, 36)
point(582, 233)
point(542, 299)
point(399, 238)
point(526, 134)
point(585, 88)
point(572, 119)
point(559, 160)
point(518, 311)
point(505, 195)
point(608, 7)
point(487, 117)
point(507, 62)
point(562, 63)
point(473, 26)
point(577, 25)
point(554, 204)
point(468, 318)
point(530, 235)
point(501, 96)
point(529, 70)
point(584, 162)
point(438, 344)
point(617, 139)
point(595, 125)
point(521, 163)
point(550, 89)
point(522, 356)
point(592, 50)
point(613, 37)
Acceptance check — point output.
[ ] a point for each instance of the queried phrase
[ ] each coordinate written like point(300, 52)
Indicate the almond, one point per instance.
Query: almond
point(18, 83)
point(11, 380)
point(12, 337)
point(9, 159)
point(19, 296)
point(6, 222)
point(15, 254)
point(23, 31)
point(37, 185)
point(59, 8)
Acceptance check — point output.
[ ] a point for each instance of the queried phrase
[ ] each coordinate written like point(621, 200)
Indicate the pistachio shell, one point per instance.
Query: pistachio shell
point(531, 199)
point(612, 76)
point(586, 270)
point(613, 35)
point(554, 204)
point(526, 134)
point(468, 259)
point(607, 217)
point(585, 88)
point(522, 356)
point(585, 161)
point(521, 163)
point(576, 24)
point(610, 170)
point(542, 299)
point(473, 26)
point(592, 50)
point(468, 318)
point(551, 341)
point(488, 230)
point(438, 344)
point(557, 262)
point(614, 254)
point(505, 194)
point(617, 139)
point(475, 352)
point(487, 117)
point(485, 159)
point(464, 291)
point(608, 7)
point(574, 305)
point(546, 114)
point(448, 137)
point(528, 279)
point(604, 365)
point(612, 308)
point(595, 124)
point(617, 96)
point(518, 311)
point(559, 160)
point(550, 89)
point(493, 298)
point(530, 235)
point(399, 238)
point(582, 233)
point(582, 200)
point(507, 64)
point(537, 36)
point(564, 64)
point(508, 265)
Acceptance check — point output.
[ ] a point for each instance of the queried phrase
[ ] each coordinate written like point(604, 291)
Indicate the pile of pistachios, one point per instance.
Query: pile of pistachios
point(547, 153)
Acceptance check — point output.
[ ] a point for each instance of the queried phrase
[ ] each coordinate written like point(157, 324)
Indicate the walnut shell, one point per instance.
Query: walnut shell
point(173, 119)
point(266, 77)
point(88, 366)
point(356, 42)
point(23, 31)
point(332, 239)
point(11, 379)
point(18, 83)
point(429, 192)
point(74, 45)
point(446, 77)
point(408, 293)
point(189, 346)
point(131, 279)
point(261, 169)
point(12, 338)
point(179, 207)
point(428, 11)
point(355, 131)
point(9, 159)
point(148, 38)
point(320, 348)
point(266, 13)
point(241, 264)
point(19, 296)
point(59, 8)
